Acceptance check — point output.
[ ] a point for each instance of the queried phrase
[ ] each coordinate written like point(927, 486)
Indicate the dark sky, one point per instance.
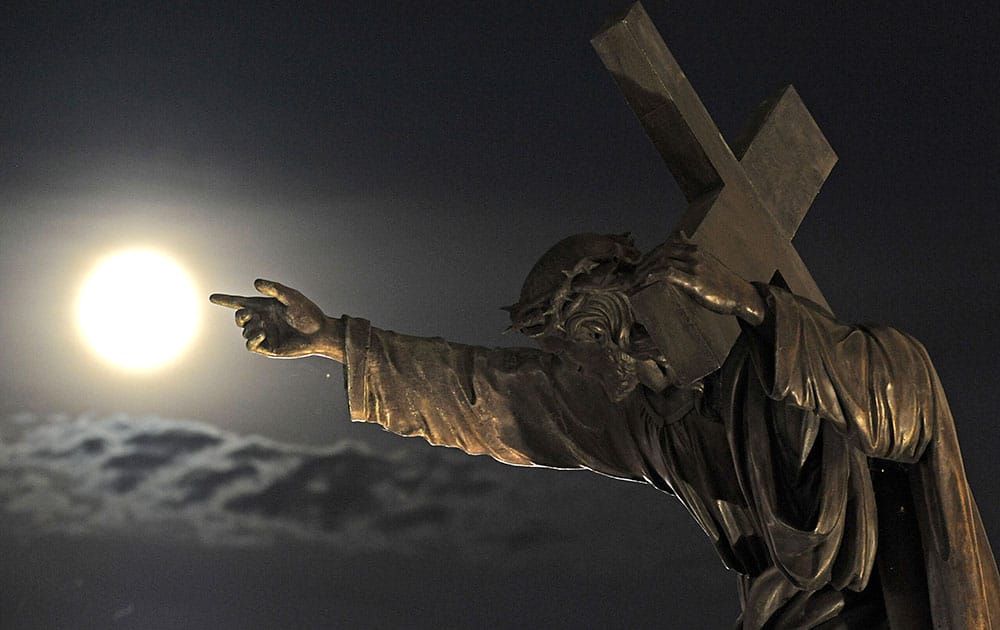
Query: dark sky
point(407, 163)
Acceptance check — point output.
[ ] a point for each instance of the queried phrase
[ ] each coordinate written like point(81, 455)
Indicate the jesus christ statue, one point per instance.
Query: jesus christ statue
point(820, 460)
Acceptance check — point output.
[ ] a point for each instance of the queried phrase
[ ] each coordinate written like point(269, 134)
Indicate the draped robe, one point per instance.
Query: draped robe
point(773, 458)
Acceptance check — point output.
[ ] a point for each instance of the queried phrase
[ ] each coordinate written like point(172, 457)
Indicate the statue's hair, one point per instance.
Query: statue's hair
point(581, 288)
point(608, 310)
point(581, 279)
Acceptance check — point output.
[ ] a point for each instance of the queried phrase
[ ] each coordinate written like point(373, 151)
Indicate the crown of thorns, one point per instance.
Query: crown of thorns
point(575, 267)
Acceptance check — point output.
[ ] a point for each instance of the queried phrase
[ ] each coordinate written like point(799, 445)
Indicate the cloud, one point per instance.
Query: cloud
point(180, 479)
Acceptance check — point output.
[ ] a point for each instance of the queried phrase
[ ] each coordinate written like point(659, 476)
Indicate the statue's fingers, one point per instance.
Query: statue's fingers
point(252, 328)
point(681, 279)
point(229, 301)
point(254, 343)
point(273, 334)
point(674, 249)
point(681, 260)
point(680, 240)
point(663, 266)
point(243, 316)
point(667, 251)
point(672, 246)
point(285, 295)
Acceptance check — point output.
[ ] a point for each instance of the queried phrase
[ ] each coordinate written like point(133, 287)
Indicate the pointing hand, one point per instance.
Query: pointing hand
point(285, 324)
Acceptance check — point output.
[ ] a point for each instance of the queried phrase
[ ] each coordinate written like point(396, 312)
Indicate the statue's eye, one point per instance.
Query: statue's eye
point(593, 333)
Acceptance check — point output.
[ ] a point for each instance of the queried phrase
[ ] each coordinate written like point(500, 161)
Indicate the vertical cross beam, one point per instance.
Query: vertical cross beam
point(744, 204)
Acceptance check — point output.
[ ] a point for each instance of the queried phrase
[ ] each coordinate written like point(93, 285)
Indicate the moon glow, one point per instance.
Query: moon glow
point(138, 310)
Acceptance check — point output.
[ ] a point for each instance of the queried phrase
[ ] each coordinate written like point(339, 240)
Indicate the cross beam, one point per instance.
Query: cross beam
point(745, 203)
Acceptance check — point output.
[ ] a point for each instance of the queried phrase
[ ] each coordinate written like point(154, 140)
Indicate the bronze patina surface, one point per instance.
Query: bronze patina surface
point(745, 203)
point(819, 458)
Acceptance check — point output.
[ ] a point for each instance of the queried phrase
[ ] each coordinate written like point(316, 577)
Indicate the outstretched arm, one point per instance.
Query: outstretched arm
point(518, 405)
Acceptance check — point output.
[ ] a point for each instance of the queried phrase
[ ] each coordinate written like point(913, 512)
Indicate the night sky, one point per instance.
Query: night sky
point(408, 163)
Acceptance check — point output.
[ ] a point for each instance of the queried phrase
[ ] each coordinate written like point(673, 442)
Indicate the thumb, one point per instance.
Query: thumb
point(278, 291)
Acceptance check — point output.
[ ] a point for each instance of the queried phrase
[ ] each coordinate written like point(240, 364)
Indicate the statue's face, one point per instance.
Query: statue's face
point(593, 328)
point(594, 336)
point(598, 357)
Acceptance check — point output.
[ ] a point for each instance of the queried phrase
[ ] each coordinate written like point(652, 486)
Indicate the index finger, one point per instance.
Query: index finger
point(228, 301)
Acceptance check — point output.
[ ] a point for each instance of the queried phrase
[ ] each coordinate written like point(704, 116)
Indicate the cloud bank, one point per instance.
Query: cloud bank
point(183, 480)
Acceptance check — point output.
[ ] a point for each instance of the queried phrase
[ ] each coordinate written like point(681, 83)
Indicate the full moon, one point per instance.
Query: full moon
point(138, 309)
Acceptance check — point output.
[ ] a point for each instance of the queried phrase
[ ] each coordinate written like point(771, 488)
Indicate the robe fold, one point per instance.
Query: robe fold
point(772, 458)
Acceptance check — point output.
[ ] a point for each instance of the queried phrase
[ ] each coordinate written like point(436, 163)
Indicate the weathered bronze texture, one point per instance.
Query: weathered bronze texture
point(744, 207)
point(819, 458)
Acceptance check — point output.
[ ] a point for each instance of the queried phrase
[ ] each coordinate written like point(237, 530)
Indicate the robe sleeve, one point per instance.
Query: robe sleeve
point(520, 406)
point(876, 385)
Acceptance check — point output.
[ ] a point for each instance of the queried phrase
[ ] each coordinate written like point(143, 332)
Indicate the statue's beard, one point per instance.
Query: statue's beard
point(619, 378)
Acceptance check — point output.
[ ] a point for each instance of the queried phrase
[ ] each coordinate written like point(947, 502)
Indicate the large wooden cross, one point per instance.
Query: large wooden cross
point(745, 203)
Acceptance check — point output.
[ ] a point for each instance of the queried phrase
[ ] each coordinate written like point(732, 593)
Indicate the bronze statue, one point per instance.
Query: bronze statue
point(774, 454)
point(820, 458)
